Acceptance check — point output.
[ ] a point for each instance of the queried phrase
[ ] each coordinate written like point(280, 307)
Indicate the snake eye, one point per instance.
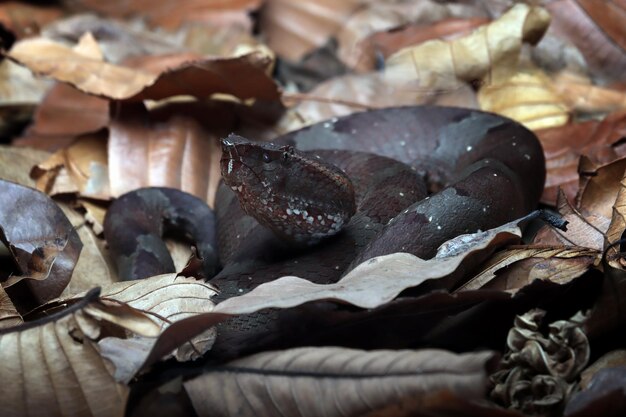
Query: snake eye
point(266, 158)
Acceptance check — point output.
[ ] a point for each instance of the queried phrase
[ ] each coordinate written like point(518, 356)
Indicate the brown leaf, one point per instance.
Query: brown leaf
point(9, 315)
point(581, 95)
point(527, 96)
point(179, 153)
point(335, 382)
point(54, 365)
point(294, 29)
point(43, 243)
point(485, 54)
point(153, 78)
point(377, 17)
point(16, 163)
point(563, 146)
point(516, 267)
point(609, 360)
point(173, 15)
point(604, 57)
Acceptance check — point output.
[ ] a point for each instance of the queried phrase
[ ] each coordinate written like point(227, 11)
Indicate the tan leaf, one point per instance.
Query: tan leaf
point(54, 365)
point(79, 168)
point(527, 96)
point(581, 95)
point(9, 315)
point(43, 243)
point(484, 54)
point(515, 267)
point(334, 381)
point(293, 29)
point(618, 219)
point(381, 16)
point(599, 187)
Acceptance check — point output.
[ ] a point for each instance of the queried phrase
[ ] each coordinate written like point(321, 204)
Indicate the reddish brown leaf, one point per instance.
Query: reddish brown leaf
point(25, 19)
point(42, 241)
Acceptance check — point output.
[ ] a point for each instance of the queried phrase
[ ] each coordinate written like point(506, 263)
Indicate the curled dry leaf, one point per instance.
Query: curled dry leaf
point(43, 243)
point(156, 78)
point(369, 285)
point(335, 381)
point(54, 365)
point(376, 17)
point(482, 55)
point(516, 267)
point(526, 96)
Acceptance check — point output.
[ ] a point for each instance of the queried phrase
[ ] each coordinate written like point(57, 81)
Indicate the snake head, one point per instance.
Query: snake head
point(298, 196)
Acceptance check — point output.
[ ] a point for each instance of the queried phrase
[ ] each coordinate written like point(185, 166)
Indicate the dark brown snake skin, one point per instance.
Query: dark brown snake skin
point(486, 169)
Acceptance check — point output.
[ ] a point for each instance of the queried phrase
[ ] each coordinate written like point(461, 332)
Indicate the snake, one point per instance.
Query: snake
point(318, 201)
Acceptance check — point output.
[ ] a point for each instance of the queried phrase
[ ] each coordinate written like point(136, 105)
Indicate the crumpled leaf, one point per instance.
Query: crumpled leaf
point(539, 372)
point(515, 267)
point(153, 78)
point(335, 382)
point(42, 241)
point(54, 365)
point(478, 56)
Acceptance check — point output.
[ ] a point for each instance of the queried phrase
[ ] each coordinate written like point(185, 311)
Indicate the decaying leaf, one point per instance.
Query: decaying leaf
point(43, 243)
point(515, 267)
point(478, 56)
point(612, 359)
point(539, 372)
point(335, 382)
point(605, 395)
point(54, 365)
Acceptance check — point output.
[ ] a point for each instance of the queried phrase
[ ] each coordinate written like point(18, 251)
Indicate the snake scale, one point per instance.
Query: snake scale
point(318, 201)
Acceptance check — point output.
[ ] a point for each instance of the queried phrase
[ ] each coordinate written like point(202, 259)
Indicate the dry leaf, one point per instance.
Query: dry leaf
point(483, 55)
point(293, 29)
point(24, 19)
point(179, 154)
point(43, 243)
point(335, 382)
point(516, 267)
point(54, 365)
point(526, 96)
point(172, 15)
point(605, 396)
point(390, 275)
point(153, 78)
point(609, 360)
point(581, 95)
point(9, 316)
point(79, 168)
point(16, 163)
